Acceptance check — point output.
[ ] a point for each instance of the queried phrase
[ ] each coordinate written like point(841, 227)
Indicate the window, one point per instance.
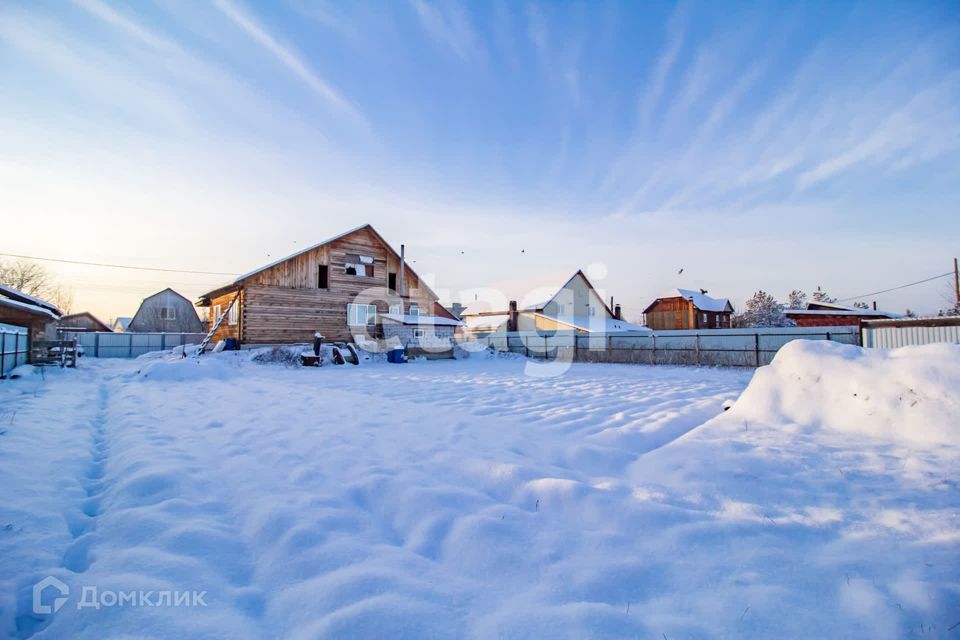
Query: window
point(705, 320)
point(396, 309)
point(359, 315)
point(216, 313)
point(591, 310)
point(419, 333)
point(234, 314)
point(322, 277)
point(392, 282)
point(168, 313)
point(414, 310)
point(356, 265)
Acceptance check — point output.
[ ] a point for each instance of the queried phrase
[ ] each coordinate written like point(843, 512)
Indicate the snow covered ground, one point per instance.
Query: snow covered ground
point(466, 499)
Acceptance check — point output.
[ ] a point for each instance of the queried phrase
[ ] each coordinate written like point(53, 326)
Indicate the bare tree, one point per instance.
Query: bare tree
point(28, 277)
point(32, 279)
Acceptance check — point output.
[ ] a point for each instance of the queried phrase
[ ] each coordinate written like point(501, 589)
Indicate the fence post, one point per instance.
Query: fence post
point(163, 342)
point(96, 345)
point(756, 347)
point(130, 348)
point(828, 336)
point(3, 351)
point(698, 349)
point(653, 358)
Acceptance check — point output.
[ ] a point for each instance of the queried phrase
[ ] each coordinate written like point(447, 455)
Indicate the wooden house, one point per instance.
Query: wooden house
point(341, 287)
point(576, 306)
point(83, 321)
point(121, 324)
point(38, 316)
point(166, 312)
point(686, 309)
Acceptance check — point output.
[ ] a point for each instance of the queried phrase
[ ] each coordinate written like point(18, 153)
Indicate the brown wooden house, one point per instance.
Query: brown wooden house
point(341, 287)
point(83, 321)
point(686, 309)
point(829, 314)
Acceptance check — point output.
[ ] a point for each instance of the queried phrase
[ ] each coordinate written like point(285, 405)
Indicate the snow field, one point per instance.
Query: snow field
point(466, 499)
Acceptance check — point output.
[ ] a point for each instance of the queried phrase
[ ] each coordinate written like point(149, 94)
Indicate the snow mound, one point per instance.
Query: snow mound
point(178, 369)
point(906, 394)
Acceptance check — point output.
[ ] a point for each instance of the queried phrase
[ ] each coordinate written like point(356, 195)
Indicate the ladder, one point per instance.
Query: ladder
point(216, 325)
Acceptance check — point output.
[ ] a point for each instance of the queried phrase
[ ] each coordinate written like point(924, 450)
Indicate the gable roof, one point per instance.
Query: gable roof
point(701, 301)
point(154, 295)
point(123, 321)
point(67, 318)
point(541, 305)
point(238, 281)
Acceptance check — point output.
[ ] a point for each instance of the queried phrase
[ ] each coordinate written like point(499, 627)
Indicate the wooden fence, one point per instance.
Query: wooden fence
point(14, 347)
point(106, 344)
point(717, 347)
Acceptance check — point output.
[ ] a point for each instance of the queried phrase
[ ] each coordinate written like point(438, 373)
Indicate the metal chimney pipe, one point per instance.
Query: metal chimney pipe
point(402, 279)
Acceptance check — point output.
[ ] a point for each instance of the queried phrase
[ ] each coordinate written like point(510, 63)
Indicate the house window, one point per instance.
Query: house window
point(359, 315)
point(356, 265)
point(392, 282)
point(168, 313)
point(414, 310)
point(322, 277)
point(591, 310)
point(234, 315)
point(705, 320)
point(216, 313)
point(396, 309)
point(419, 333)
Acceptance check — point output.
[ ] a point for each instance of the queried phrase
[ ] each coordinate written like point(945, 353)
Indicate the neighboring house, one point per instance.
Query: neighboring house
point(38, 316)
point(456, 309)
point(830, 314)
point(420, 334)
point(165, 312)
point(342, 287)
point(121, 324)
point(576, 306)
point(687, 309)
point(83, 321)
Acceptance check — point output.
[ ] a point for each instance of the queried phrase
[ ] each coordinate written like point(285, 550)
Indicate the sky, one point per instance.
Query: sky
point(772, 146)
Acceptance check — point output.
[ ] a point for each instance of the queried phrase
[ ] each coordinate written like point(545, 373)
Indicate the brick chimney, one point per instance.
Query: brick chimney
point(512, 316)
point(616, 312)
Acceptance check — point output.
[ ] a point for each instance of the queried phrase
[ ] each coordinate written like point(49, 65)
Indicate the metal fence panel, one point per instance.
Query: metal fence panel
point(905, 334)
point(106, 344)
point(14, 347)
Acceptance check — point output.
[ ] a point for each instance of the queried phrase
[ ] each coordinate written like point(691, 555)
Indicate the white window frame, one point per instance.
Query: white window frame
point(168, 313)
point(359, 315)
point(234, 316)
point(363, 267)
point(396, 309)
point(591, 310)
point(414, 310)
point(419, 333)
point(216, 313)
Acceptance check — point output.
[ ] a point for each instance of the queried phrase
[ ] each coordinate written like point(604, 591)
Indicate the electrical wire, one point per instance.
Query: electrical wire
point(903, 286)
point(118, 266)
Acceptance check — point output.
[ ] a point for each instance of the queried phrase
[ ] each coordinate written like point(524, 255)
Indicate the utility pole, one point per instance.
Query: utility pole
point(956, 283)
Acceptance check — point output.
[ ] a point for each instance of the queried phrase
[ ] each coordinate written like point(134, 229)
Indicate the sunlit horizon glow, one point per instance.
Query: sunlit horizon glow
point(506, 145)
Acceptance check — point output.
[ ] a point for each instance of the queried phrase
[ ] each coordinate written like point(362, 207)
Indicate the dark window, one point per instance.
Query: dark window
point(322, 277)
point(392, 282)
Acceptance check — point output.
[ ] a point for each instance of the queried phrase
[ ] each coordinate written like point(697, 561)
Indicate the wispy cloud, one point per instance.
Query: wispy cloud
point(664, 65)
point(289, 58)
point(449, 25)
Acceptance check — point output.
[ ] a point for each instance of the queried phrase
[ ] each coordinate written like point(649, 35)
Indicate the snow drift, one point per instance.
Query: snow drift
point(907, 394)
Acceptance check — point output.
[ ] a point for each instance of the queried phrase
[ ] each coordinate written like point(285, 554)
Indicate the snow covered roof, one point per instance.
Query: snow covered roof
point(124, 322)
point(538, 306)
point(421, 319)
point(488, 321)
point(19, 296)
point(597, 325)
point(842, 311)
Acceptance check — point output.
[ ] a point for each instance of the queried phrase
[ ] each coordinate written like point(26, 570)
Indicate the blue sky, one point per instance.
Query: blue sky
point(755, 145)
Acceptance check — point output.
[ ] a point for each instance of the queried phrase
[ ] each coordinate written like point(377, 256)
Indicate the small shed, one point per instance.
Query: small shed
point(687, 309)
point(831, 314)
point(166, 312)
point(38, 316)
point(419, 334)
point(121, 324)
point(83, 321)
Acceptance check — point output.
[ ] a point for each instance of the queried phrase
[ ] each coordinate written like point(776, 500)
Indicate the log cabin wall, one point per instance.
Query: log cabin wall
point(284, 304)
point(226, 330)
point(671, 313)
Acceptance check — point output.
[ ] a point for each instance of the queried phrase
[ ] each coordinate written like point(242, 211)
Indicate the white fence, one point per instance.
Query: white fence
point(721, 347)
point(14, 347)
point(902, 332)
point(105, 344)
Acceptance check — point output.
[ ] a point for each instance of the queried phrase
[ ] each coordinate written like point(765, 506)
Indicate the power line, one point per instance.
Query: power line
point(117, 266)
point(903, 286)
